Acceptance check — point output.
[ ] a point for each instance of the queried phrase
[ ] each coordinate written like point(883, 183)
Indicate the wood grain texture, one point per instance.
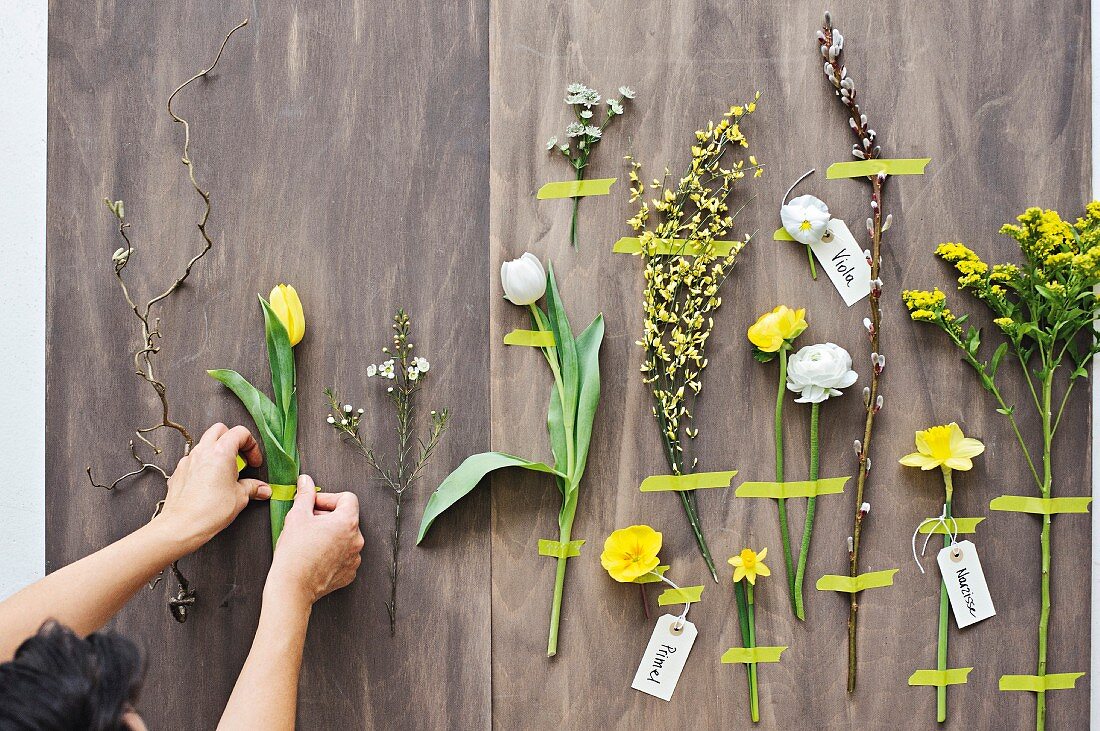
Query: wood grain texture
point(329, 137)
point(946, 84)
point(348, 148)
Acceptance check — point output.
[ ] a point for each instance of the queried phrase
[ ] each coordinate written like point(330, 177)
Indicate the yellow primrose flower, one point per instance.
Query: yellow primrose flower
point(943, 446)
point(749, 564)
point(629, 553)
point(288, 308)
point(776, 328)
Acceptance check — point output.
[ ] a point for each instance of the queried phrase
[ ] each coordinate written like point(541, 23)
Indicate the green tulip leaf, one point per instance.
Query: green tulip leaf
point(466, 477)
point(281, 467)
point(588, 352)
point(281, 356)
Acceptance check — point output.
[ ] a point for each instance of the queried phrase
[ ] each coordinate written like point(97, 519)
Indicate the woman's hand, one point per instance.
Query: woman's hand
point(205, 493)
point(318, 551)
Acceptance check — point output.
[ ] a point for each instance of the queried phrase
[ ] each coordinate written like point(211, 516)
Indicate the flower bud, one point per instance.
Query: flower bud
point(287, 306)
point(523, 279)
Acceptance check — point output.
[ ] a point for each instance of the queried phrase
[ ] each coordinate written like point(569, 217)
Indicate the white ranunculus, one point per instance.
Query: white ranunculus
point(817, 372)
point(524, 279)
point(805, 218)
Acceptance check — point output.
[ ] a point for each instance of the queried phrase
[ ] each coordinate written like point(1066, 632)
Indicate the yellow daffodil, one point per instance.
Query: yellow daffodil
point(749, 564)
point(284, 301)
point(777, 328)
point(629, 553)
point(943, 446)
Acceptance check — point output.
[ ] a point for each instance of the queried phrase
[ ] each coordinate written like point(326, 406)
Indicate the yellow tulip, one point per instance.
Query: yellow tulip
point(630, 553)
point(777, 328)
point(288, 308)
point(943, 446)
point(749, 564)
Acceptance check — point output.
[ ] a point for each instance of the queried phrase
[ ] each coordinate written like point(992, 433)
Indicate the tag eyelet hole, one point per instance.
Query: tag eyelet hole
point(674, 630)
point(956, 554)
point(827, 236)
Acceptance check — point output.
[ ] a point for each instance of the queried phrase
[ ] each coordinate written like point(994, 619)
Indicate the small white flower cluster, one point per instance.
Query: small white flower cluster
point(346, 419)
point(388, 369)
point(584, 99)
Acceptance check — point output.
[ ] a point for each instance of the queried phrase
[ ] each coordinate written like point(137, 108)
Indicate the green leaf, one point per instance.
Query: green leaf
point(588, 399)
point(281, 467)
point(565, 345)
point(555, 427)
point(998, 356)
point(762, 356)
point(281, 356)
point(466, 477)
point(1007, 411)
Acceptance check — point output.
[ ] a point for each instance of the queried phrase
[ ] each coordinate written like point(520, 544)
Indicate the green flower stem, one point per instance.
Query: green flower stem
point(559, 585)
point(687, 498)
point(813, 267)
point(811, 509)
point(576, 204)
point(754, 692)
point(743, 621)
point(1044, 614)
point(941, 643)
point(788, 559)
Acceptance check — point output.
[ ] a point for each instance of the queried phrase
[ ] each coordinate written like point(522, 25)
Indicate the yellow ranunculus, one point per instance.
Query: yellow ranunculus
point(749, 564)
point(629, 553)
point(284, 301)
point(776, 328)
point(943, 446)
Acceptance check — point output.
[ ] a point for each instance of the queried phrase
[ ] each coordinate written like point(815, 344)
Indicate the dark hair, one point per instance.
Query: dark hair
point(58, 681)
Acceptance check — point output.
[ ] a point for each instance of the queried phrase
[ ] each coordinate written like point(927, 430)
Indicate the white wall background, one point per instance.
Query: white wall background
point(23, 301)
point(22, 291)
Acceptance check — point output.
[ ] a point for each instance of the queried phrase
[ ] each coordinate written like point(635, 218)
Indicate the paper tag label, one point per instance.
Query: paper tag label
point(966, 588)
point(844, 262)
point(664, 658)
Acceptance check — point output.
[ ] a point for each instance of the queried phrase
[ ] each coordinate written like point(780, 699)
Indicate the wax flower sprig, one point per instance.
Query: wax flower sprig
point(585, 132)
point(403, 373)
point(947, 448)
point(1044, 308)
point(816, 373)
point(574, 363)
point(748, 566)
point(680, 232)
point(773, 335)
point(276, 421)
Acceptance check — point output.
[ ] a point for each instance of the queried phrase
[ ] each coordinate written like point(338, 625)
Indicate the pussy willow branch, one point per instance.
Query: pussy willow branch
point(831, 45)
point(150, 333)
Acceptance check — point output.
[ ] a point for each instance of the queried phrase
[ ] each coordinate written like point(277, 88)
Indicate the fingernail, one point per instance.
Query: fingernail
point(263, 492)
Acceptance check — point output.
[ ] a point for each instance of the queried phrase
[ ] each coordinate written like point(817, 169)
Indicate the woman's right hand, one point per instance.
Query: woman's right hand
point(318, 550)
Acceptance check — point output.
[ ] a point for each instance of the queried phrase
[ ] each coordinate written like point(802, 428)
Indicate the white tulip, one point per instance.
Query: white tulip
point(805, 218)
point(817, 372)
point(524, 279)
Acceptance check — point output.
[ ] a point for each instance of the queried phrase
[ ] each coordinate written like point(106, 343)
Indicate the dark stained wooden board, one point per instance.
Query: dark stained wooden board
point(348, 147)
point(1005, 130)
point(331, 138)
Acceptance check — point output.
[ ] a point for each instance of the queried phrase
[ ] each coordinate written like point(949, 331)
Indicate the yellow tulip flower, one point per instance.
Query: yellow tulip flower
point(284, 301)
point(943, 446)
point(776, 328)
point(749, 564)
point(629, 553)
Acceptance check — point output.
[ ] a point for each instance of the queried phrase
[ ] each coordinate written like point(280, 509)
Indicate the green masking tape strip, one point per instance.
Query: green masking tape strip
point(683, 595)
point(806, 488)
point(669, 247)
point(753, 654)
point(559, 550)
point(939, 678)
point(863, 168)
point(1039, 505)
point(287, 492)
point(696, 481)
point(782, 235)
point(576, 188)
point(850, 585)
point(530, 338)
point(650, 578)
point(241, 464)
point(1039, 683)
point(954, 525)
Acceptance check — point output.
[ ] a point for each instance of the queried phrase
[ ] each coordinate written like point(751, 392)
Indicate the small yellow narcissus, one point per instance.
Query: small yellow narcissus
point(943, 446)
point(630, 553)
point(776, 328)
point(288, 308)
point(749, 564)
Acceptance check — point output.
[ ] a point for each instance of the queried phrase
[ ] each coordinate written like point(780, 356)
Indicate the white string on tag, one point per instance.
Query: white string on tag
point(940, 520)
point(687, 605)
